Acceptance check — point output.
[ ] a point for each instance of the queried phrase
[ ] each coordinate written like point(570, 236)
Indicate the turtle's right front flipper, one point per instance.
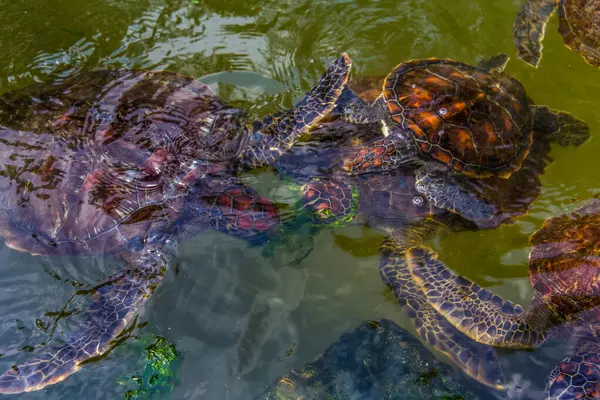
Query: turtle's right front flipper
point(114, 307)
point(473, 310)
point(529, 29)
point(477, 360)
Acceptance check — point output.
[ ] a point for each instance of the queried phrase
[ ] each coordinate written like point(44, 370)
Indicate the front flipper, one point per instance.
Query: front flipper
point(477, 360)
point(381, 155)
point(445, 192)
point(114, 307)
point(560, 127)
point(476, 312)
point(275, 134)
point(361, 112)
point(529, 29)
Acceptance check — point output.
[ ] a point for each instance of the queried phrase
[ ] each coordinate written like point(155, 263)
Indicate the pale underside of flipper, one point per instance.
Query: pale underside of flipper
point(115, 304)
point(477, 360)
point(529, 29)
point(476, 312)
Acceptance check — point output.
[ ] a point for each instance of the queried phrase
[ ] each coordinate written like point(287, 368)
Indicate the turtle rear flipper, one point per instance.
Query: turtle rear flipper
point(474, 311)
point(275, 134)
point(477, 360)
point(561, 127)
point(114, 306)
point(529, 29)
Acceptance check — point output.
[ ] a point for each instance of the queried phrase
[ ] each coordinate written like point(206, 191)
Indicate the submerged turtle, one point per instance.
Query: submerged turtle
point(377, 360)
point(564, 270)
point(128, 162)
point(459, 120)
point(579, 25)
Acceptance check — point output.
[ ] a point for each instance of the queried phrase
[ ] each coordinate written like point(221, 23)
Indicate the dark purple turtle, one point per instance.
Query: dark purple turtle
point(128, 162)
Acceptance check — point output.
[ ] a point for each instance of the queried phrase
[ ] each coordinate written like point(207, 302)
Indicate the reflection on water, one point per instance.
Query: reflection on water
point(238, 318)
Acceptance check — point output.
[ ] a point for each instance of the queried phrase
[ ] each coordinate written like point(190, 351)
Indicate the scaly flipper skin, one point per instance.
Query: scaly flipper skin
point(561, 127)
point(475, 311)
point(475, 359)
point(274, 135)
point(361, 112)
point(529, 29)
point(441, 189)
point(115, 304)
point(495, 63)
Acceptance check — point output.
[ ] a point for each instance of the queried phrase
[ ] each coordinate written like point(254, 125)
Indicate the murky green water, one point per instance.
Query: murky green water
point(232, 313)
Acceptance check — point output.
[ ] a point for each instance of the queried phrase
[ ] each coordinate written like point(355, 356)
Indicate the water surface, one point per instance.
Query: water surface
point(238, 318)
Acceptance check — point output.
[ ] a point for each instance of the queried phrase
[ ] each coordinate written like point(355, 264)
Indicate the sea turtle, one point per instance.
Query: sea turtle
point(564, 271)
point(377, 360)
point(459, 120)
point(579, 25)
point(128, 162)
point(338, 189)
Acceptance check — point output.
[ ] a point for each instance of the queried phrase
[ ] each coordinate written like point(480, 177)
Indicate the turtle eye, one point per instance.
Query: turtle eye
point(325, 213)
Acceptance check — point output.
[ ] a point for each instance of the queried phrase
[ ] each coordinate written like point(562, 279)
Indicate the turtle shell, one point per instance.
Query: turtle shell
point(89, 163)
point(478, 123)
point(564, 263)
point(579, 25)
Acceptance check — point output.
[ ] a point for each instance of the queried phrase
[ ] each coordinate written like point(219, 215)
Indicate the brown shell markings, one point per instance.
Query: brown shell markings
point(565, 259)
point(475, 122)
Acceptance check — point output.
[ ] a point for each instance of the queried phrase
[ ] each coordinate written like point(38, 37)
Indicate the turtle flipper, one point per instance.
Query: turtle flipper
point(561, 127)
point(477, 360)
point(275, 134)
point(361, 112)
point(476, 312)
point(114, 306)
point(381, 155)
point(445, 192)
point(494, 63)
point(529, 29)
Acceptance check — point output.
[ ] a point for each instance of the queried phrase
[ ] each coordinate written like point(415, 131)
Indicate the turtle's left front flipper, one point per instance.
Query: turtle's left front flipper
point(275, 134)
point(113, 310)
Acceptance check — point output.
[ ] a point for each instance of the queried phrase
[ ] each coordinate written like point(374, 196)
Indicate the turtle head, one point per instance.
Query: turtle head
point(330, 202)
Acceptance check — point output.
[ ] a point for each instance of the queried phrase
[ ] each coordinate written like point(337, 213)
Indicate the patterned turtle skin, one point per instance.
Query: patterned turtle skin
point(564, 270)
point(579, 25)
point(130, 162)
point(461, 120)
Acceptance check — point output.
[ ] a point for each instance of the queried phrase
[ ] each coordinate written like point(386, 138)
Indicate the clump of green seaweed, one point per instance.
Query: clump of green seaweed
point(160, 374)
